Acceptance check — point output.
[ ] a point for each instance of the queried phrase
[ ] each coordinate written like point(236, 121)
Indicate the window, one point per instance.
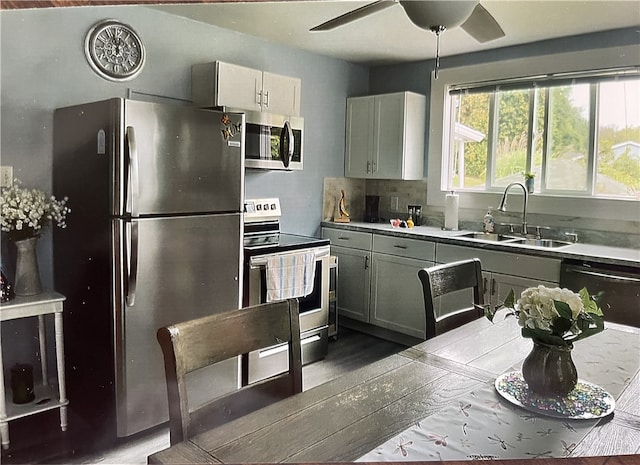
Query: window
point(579, 135)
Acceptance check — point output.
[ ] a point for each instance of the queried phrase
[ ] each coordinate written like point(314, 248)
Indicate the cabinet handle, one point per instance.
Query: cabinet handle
point(493, 286)
point(368, 167)
point(400, 246)
point(343, 238)
point(266, 99)
point(375, 167)
point(366, 262)
point(484, 286)
point(259, 98)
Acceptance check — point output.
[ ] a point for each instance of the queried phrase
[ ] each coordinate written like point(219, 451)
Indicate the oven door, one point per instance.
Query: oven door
point(314, 319)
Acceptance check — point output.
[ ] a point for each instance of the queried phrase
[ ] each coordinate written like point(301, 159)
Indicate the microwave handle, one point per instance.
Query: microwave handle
point(287, 144)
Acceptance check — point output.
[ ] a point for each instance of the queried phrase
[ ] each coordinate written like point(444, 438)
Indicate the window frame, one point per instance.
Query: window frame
point(568, 62)
point(493, 136)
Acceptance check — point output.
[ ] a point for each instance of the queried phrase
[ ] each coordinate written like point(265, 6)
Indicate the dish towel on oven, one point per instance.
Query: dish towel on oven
point(290, 275)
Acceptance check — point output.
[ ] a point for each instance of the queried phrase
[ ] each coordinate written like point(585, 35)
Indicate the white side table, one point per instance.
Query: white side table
point(24, 307)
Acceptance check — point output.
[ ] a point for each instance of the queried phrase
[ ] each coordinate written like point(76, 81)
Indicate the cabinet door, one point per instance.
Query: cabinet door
point(501, 285)
point(359, 137)
point(281, 94)
point(397, 301)
point(353, 282)
point(239, 87)
point(388, 130)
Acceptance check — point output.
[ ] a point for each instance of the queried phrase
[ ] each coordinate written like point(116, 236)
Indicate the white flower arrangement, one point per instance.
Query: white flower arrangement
point(553, 315)
point(24, 212)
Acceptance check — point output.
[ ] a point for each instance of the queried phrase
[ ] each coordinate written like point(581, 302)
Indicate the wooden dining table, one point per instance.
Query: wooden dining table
point(354, 416)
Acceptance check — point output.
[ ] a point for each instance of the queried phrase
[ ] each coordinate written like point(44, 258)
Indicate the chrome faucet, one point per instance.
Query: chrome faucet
point(503, 204)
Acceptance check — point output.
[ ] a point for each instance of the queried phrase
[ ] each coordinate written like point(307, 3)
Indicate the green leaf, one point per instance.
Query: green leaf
point(510, 301)
point(561, 325)
point(544, 336)
point(589, 325)
point(590, 305)
point(489, 313)
point(563, 309)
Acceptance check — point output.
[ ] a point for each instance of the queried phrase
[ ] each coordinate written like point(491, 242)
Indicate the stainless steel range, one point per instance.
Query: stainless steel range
point(262, 240)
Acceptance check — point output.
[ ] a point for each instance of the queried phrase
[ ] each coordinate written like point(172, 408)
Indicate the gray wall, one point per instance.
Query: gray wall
point(43, 67)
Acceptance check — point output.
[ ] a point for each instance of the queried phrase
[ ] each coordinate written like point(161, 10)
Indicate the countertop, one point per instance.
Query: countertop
point(578, 251)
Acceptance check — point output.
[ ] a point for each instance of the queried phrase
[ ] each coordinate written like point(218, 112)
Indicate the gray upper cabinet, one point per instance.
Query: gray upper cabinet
point(220, 84)
point(385, 136)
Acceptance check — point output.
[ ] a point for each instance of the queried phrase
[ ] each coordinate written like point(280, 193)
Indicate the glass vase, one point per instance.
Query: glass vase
point(549, 369)
point(27, 280)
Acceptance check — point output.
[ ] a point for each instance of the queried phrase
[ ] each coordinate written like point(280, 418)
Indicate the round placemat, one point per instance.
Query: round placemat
point(586, 401)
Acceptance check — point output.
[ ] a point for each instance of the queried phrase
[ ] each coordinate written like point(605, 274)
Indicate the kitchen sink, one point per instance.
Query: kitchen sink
point(505, 238)
point(547, 243)
point(489, 237)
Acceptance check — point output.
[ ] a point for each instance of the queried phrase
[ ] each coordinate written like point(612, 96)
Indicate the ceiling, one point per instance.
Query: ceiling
point(388, 36)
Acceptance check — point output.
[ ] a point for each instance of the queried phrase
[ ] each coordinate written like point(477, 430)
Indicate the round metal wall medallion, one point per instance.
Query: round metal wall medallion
point(114, 50)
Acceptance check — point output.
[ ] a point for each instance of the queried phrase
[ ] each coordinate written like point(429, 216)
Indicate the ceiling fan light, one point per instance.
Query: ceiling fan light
point(428, 14)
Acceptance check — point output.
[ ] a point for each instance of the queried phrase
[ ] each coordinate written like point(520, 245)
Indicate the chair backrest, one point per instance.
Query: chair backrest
point(199, 343)
point(444, 279)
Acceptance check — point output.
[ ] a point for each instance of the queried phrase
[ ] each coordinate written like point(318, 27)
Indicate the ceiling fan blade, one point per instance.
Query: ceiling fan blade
point(482, 26)
point(354, 15)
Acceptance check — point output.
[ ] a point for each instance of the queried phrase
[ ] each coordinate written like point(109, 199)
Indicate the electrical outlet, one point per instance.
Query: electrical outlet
point(6, 176)
point(394, 204)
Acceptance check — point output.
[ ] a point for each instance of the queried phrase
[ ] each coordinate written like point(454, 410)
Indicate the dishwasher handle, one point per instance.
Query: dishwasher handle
point(607, 275)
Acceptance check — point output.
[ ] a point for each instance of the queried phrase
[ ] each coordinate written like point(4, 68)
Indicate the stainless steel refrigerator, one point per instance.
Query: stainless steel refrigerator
point(154, 237)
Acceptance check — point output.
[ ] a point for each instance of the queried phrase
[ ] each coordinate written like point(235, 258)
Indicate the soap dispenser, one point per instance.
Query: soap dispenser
point(488, 224)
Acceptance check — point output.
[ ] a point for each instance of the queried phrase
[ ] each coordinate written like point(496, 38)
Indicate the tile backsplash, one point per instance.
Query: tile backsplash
point(615, 233)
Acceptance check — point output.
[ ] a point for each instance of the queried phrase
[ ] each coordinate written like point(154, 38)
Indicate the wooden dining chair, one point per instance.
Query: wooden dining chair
point(199, 343)
point(441, 280)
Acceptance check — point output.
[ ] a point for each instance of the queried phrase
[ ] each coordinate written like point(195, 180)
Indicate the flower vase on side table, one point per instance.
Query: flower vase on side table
point(549, 369)
point(27, 280)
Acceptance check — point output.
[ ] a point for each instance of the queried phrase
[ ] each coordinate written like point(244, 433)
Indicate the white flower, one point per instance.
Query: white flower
point(24, 212)
point(536, 308)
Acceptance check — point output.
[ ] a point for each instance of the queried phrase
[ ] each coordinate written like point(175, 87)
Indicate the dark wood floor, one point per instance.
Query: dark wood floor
point(38, 439)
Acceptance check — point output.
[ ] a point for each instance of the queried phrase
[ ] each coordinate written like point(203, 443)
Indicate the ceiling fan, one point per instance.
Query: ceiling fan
point(434, 16)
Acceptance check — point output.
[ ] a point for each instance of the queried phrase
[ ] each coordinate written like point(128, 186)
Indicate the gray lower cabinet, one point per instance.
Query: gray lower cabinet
point(497, 286)
point(353, 282)
point(353, 250)
point(397, 302)
point(503, 271)
point(378, 279)
point(378, 283)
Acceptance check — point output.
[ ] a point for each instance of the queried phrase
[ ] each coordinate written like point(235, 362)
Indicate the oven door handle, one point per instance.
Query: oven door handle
point(284, 347)
point(260, 261)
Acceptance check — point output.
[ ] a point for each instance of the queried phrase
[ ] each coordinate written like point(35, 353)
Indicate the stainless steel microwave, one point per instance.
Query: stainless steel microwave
point(273, 141)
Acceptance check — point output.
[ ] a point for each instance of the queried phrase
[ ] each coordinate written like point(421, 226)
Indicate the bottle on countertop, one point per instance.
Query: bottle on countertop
point(488, 224)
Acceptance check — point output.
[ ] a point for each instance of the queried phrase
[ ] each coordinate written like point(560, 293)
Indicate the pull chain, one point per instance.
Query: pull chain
point(437, 30)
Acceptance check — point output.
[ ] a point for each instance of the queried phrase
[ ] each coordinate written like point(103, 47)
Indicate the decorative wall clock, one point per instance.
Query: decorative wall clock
point(114, 50)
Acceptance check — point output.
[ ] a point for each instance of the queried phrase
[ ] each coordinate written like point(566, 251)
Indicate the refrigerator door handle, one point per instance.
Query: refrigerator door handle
point(132, 262)
point(134, 178)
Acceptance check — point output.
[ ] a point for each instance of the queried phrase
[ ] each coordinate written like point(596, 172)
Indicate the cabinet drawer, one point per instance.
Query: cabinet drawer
point(510, 263)
point(351, 239)
point(402, 247)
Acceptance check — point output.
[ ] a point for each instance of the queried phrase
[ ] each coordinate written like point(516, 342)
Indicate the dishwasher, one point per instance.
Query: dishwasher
point(620, 286)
